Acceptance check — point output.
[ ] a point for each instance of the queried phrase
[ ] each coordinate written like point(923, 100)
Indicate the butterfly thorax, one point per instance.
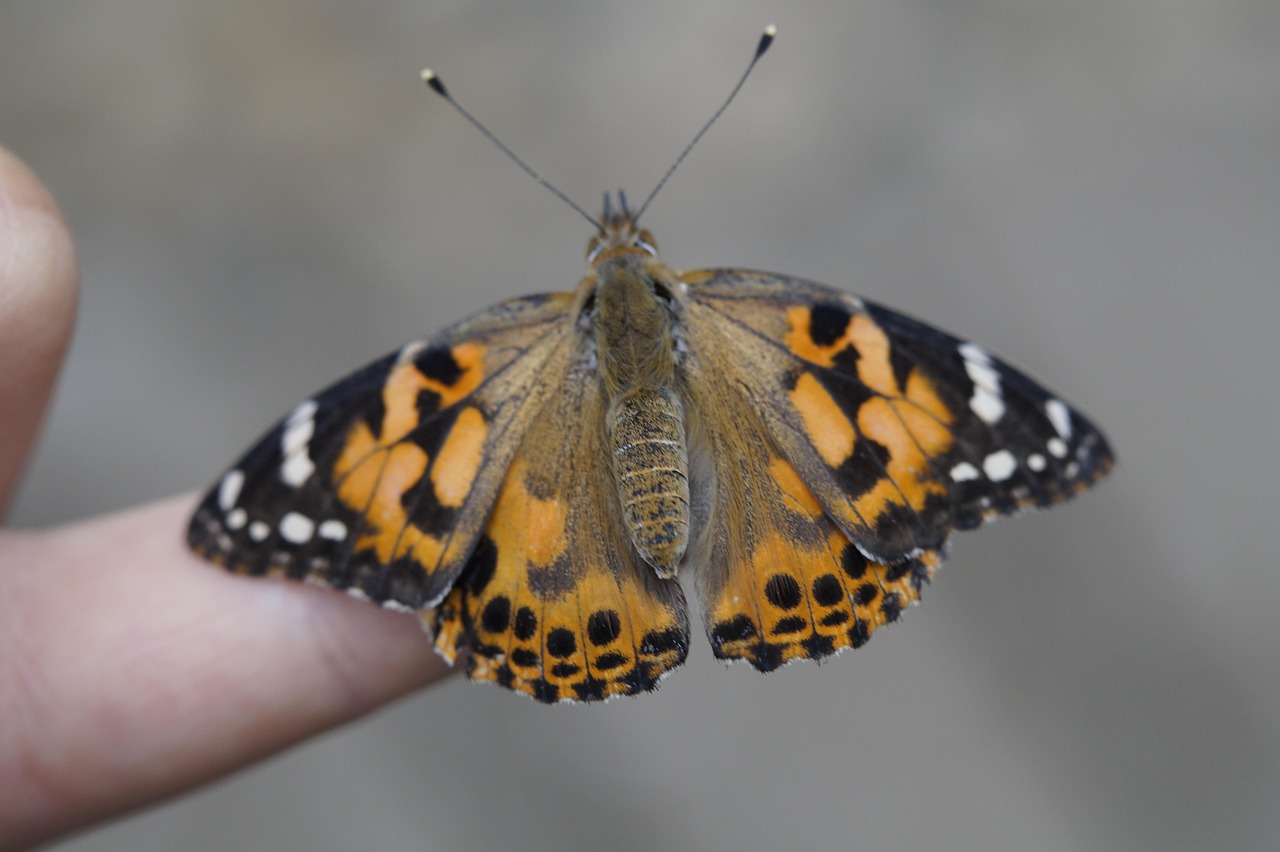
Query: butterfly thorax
point(634, 328)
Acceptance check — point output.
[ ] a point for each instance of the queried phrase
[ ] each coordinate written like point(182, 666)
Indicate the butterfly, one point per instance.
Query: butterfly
point(535, 480)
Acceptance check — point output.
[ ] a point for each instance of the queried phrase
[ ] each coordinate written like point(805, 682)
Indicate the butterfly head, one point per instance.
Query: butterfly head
point(619, 231)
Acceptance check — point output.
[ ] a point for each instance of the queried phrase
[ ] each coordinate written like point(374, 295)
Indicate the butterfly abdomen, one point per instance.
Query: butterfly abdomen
point(651, 467)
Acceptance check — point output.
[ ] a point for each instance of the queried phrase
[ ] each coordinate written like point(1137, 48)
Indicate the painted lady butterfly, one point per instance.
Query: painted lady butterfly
point(532, 479)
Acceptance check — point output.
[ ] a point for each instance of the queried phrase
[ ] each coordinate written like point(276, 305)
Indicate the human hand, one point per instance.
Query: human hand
point(130, 670)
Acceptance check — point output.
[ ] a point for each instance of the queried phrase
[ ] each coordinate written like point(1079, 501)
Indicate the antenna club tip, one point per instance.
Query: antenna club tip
point(433, 80)
point(766, 39)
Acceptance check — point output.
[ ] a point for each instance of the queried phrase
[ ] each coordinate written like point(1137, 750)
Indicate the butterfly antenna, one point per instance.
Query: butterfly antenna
point(766, 39)
point(433, 80)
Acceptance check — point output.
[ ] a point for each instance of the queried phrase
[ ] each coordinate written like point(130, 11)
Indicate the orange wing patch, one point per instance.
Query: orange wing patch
point(459, 458)
point(829, 429)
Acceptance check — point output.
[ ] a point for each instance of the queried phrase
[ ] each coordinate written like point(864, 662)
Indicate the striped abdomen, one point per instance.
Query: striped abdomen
point(651, 468)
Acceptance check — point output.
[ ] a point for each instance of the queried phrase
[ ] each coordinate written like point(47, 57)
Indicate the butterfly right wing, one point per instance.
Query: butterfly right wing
point(381, 484)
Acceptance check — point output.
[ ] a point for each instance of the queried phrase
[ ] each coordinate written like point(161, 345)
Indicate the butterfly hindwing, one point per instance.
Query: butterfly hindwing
point(556, 603)
point(777, 578)
point(902, 432)
point(381, 484)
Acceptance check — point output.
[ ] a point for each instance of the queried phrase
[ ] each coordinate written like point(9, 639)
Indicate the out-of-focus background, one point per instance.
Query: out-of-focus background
point(265, 198)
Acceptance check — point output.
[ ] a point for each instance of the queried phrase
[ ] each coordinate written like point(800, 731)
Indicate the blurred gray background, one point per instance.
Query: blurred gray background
point(265, 198)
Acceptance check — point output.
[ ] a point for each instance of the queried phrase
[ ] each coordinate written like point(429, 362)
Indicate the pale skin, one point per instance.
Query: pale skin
point(130, 670)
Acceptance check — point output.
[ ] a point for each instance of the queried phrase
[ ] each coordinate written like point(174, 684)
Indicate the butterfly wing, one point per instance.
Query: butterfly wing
point(902, 432)
point(381, 484)
point(556, 603)
point(778, 580)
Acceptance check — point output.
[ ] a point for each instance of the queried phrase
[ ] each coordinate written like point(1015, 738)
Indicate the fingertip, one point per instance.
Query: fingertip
point(37, 256)
point(38, 289)
point(20, 185)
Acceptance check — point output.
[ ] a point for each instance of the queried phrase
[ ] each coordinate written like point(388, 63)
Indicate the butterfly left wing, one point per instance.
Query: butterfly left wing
point(381, 484)
point(902, 432)
point(556, 603)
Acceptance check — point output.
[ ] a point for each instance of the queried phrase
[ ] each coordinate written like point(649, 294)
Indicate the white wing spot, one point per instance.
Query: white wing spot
point(1059, 416)
point(229, 490)
point(333, 530)
point(297, 469)
point(298, 427)
point(986, 401)
point(1057, 448)
point(294, 444)
point(236, 519)
point(296, 528)
point(258, 531)
point(975, 353)
point(988, 406)
point(1036, 462)
point(1000, 465)
point(964, 472)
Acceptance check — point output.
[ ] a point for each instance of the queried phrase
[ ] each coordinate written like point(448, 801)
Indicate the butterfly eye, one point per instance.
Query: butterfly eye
point(594, 246)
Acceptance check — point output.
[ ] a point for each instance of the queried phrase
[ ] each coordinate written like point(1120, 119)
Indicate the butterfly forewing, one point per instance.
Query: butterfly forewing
point(902, 432)
point(382, 483)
